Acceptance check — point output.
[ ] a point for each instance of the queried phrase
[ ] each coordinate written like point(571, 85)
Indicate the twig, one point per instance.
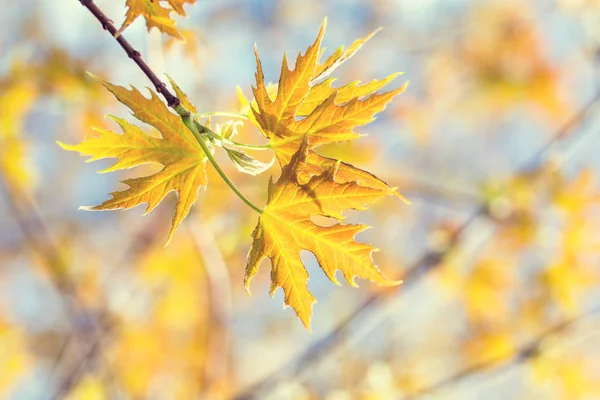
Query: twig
point(172, 100)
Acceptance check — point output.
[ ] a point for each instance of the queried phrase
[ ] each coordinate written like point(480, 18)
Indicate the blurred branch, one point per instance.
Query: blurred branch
point(430, 192)
point(145, 237)
point(343, 333)
point(561, 134)
point(529, 351)
point(172, 100)
point(219, 292)
point(41, 241)
point(36, 232)
point(216, 371)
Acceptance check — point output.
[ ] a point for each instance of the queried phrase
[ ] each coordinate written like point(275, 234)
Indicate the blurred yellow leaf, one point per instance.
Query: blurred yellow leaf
point(575, 196)
point(14, 357)
point(566, 282)
point(154, 14)
point(494, 346)
point(15, 102)
point(486, 288)
point(89, 388)
point(573, 377)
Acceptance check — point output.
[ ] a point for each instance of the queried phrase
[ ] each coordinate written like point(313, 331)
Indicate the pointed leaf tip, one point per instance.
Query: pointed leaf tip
point(177, 150)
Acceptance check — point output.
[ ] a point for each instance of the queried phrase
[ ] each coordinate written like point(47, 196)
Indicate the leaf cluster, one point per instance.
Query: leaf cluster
point(304, 112)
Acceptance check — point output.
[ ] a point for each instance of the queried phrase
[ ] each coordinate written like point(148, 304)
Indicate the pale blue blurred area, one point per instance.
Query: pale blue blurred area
point(459, 155)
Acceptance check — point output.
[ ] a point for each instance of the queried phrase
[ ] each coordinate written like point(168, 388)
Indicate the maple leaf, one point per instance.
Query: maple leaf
point(326, 114)
point(177, 150)
point(285, 228)
point(155, 15)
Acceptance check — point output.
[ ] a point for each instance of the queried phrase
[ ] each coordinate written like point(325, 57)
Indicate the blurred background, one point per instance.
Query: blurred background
point(495, 142)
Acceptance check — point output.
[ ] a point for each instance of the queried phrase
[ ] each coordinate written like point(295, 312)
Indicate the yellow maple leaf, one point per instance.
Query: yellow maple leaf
point(177, 150)
point(155, 15)
point(323, 113)
point(285, 228)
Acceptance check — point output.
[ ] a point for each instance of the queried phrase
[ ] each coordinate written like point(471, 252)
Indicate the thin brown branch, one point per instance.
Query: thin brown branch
point(172, 100)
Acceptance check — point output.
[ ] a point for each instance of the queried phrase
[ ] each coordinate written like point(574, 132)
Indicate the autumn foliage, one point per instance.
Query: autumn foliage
point(484, 283)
